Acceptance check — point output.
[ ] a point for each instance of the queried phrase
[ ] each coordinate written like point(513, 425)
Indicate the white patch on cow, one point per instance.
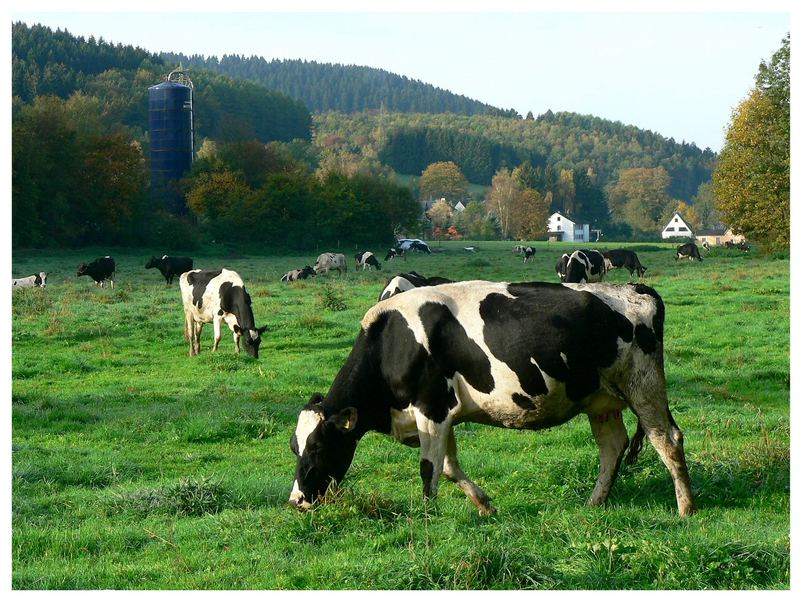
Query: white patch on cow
point(563, 357)
point(163, 257)
point(307, 422)
point(404, 425)
point(395, 286)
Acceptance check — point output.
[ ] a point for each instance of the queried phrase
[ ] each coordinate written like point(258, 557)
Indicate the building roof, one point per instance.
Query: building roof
point(574, 218)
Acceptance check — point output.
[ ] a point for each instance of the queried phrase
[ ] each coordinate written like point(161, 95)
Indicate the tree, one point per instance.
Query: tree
point(751, 181)
point(705, 204)
point(640, 198)
point(443, 180)
point(529, 215)
point(501, 198)
point(440, 213)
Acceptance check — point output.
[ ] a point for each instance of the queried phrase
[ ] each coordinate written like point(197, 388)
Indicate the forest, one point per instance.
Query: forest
point(80, 114)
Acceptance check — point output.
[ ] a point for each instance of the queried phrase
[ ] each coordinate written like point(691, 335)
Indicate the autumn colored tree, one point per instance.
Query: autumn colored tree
point(751, 181)
point(529, 215)
point(640, 198)
point(440, 213)
point(501, 198)
point(443, 180)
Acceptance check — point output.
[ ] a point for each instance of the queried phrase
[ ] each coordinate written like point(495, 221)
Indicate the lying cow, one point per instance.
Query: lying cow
point(298, 274)
point(408, 281)
point(689, 251)
point(622, 258)
point(394, 253)
point(217, 297)
point(35, 280)
point(329, 261)
point(367, 260)
point(561, 266)
point(100, 270)
point(170, 266)
point(527, 252)
point(413, 244)
point(585, 266)
point(521, 356)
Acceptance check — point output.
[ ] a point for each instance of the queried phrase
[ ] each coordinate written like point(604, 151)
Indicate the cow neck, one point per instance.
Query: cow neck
point(359, 385)
point(238, 304)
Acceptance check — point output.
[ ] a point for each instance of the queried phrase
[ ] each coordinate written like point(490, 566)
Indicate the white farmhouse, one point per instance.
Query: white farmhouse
point(561, 228)
point(676, 227)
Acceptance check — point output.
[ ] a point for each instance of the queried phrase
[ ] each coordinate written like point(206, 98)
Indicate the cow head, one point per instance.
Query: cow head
point(251, 338)
point(153, 262)
point(82, 269)
point(307, 272)
point(324, 446)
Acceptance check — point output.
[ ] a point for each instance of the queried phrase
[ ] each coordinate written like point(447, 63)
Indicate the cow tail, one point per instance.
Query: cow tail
point(636, 445)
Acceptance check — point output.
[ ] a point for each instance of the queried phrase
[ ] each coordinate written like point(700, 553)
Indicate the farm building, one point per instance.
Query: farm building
point(561, 228)
point(676, 227)
point(718, 237)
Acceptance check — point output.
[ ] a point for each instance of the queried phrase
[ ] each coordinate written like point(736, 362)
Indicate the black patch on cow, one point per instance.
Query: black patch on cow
point(523, 402)
point(645, 338)
point(453, 349)
point(234, 299)
point(426, 472)
point(199, 281)
point(544, 321)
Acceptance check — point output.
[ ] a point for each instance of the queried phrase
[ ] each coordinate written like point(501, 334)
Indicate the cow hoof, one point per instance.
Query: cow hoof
point(486, 511)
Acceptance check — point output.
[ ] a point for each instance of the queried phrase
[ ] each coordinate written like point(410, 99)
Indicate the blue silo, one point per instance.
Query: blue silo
point(171, 130)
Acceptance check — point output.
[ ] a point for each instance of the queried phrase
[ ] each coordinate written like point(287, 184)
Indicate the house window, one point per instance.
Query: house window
point(670, 229)
point(676, 219)
point(682, 229)
point(718, 241)
point(558, 228)
point(558, 218)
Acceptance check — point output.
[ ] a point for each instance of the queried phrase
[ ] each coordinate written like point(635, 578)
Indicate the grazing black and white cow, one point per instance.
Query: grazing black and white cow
point(35, 280)
point(528, 252)
point(330, 261)
point(100, 270)
point(394, 253)
point(416, 245)
point(367, 260)
point(585, 266)
point(689, 251)
point(622, 258)
point(408, 281)
point(561, 266)
point(521, 356)
point(218, 297)
point(298, 274)
point(170, 266)
point(706, 246)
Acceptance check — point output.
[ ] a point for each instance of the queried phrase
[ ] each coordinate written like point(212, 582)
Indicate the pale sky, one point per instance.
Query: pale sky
point(677, 73)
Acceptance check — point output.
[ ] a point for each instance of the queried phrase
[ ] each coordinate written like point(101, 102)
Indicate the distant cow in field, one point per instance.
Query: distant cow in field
point(622, 258)
point(413, 244)
point(100, 270)
point(689, 251)
point(298, 274)
point(706, 245)
point(520, 356)
point(561, 266)
point(408, 281)
point(394, 253)
point(330, 261)
point(218, 297)
point(585, 266)
point(528, 252)
point(367, 260)
point(170, 266)
point(35, 280)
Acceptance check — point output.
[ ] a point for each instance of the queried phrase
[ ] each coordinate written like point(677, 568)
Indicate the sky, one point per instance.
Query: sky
point(676, 73)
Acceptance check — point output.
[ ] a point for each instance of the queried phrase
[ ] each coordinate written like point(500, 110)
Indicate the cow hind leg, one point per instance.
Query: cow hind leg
point(665, 436)
point(612, 439)
point(452, 471)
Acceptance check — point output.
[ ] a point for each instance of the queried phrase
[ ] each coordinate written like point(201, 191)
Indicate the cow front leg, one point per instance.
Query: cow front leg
point(452, 471)
point(433, 447)
point(612, 440)
point(236, 338)
point(217, 334)
point(198, 326)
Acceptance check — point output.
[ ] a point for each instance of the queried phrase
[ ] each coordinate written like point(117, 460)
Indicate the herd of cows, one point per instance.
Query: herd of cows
point(432, 353)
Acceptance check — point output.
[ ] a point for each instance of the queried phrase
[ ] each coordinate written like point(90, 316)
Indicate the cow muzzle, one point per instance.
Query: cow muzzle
point(298, 499)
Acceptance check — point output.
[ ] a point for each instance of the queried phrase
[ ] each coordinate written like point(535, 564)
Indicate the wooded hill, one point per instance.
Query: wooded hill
point(344, 88)
point(56, 63)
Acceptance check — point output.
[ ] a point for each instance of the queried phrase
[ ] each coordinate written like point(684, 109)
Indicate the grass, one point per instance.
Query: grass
point(138, 467)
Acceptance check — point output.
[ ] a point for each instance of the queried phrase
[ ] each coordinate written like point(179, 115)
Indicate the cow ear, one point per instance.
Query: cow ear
point(261, 330)
point(345, 420)
point(316, 398)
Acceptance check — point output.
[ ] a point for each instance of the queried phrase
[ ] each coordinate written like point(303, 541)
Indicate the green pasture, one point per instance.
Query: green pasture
point(137, 467)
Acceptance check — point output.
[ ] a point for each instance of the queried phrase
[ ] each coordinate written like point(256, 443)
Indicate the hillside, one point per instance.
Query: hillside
point(344, 88)
point(406, 142)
